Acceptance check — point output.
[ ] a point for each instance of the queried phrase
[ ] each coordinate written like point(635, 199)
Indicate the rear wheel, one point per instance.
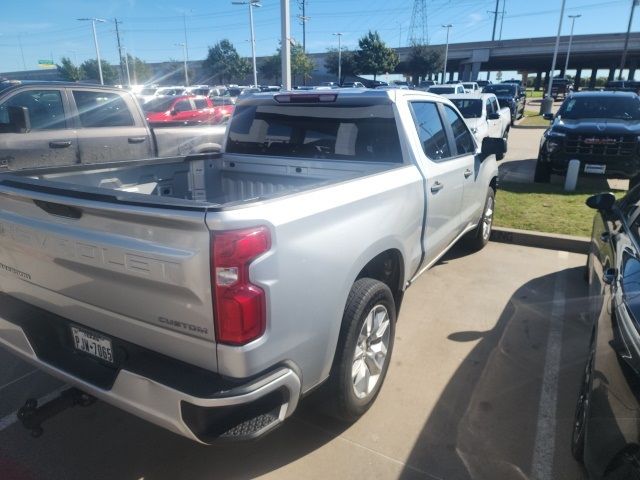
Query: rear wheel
point(542, 173)
point(478, 238)
point(364, 351)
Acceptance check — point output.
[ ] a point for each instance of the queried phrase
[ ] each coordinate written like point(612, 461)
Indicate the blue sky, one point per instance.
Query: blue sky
point(150, 29)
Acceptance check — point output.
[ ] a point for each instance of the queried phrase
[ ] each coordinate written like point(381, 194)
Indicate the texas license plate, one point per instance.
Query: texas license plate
point(92, 344)
point(594, 168)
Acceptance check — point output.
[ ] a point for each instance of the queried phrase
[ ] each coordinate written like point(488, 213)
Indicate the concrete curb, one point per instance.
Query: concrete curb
point(551, 241)
point(540, 127)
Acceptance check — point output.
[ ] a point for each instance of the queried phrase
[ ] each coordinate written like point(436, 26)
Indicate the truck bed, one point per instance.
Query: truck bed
point(208, 180)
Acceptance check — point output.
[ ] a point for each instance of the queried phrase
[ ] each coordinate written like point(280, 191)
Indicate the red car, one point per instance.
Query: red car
point(185, 110)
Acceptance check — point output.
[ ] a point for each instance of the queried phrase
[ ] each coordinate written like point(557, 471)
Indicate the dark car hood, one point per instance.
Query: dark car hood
point(597, 126)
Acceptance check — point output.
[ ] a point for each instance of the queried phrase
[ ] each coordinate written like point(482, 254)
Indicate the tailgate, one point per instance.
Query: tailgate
point(136, 272)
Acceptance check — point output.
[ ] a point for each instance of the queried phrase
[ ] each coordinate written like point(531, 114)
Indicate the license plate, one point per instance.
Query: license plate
point(92, 344)
point(593, 168)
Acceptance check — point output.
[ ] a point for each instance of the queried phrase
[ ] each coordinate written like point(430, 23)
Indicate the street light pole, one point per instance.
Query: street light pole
point(252, 4)
point(126, 64)
point(547, 103)
point(285, 43)
point(184, 57)
point(339, 35)
point(626, 40)
point(573, 21)
point(95, 41)
point(446, 54)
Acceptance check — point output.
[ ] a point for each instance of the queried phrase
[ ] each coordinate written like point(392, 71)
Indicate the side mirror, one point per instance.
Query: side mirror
point(548, 116)
point(19, 119)
point(493, 146)
point(493, 116)
point(601, 201)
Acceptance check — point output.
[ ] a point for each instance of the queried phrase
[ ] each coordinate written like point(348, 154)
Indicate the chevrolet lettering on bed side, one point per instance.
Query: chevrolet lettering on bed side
point(94, 254)
point(183, 326)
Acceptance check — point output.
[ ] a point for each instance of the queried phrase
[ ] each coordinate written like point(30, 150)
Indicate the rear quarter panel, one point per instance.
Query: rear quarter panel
point(321, 241)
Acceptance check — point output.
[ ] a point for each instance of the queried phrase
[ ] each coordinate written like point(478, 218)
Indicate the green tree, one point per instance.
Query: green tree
point(68, 70)
point(271, 68)
point(139, 71)
point(89, 70)
point(301, 63)
point(423, 60)
point(224, 63)
point(348, 63)
point(374, 57)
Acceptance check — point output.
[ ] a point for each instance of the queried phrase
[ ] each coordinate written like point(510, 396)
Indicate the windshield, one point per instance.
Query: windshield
point(147, 91)
point(469, 86)
point(354, 132)
point(158, 105)
point(619, 108)
point(501, 90)
point(468, 108)
point(442, 90)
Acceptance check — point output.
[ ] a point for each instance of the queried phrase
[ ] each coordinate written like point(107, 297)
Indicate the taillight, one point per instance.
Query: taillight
point(240, 306)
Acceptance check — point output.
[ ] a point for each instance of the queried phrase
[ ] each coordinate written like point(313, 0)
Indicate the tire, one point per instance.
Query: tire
point(476, 239)
point(505, 136)
point(582, 412)
point(348, 398)
point(542, 173)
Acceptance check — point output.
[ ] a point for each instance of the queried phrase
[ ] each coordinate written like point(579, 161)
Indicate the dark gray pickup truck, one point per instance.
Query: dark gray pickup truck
point(55, 124)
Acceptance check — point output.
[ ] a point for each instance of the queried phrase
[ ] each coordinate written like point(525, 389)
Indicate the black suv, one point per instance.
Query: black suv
point(509, 95)
point(598, 128)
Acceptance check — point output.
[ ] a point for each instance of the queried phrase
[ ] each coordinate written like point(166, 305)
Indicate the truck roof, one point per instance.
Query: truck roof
point(348, 94)
point(14, 84)
point(470, 96)
point(604, 93)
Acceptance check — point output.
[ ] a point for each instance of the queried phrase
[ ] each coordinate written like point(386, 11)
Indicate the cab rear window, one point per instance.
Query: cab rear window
point(339, 132)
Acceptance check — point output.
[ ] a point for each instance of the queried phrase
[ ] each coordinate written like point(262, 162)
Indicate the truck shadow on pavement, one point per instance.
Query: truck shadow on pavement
point(482, 426)
point(484, 423)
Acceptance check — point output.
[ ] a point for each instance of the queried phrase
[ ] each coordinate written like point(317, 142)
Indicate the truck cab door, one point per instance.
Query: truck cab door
point(474, 188)
point(443, 171)
point(51, 139)
point(184, 111)
point(110, 129)
point(493, 125)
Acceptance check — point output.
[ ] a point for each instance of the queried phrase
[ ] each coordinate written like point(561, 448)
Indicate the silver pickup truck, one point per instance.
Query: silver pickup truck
point(45, 124)
point(208, 295)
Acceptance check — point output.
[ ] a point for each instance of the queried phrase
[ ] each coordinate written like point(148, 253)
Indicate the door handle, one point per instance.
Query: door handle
point(467, 173)
point(137, 139)
point(436, 187)
point(60, 144)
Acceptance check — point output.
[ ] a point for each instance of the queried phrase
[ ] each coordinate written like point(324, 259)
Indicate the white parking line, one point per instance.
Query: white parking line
point(16, 380)
point(544, 446)
point(12, 418)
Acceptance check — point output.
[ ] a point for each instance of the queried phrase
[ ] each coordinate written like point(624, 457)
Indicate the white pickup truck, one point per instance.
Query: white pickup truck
point(209, 295)
point(483, 115)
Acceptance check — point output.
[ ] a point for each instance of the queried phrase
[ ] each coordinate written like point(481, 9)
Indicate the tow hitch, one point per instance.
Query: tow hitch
point(33, 416)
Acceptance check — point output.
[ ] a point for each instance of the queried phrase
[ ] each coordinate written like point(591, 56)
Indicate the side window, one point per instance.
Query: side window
point(460, 89)
point(461, 134)
point(433, 136)
point(201, 103)
point(46, 111)
point(489, 107)
point(182, 106)
point(102, 109)
point(494, 102)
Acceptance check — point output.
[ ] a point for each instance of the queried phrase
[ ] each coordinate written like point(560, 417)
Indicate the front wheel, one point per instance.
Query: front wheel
point(477, 239)
point(581, 413)
point(364, 350)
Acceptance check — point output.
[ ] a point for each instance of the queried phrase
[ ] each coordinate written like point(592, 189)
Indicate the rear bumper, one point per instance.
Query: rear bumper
point(223, 410)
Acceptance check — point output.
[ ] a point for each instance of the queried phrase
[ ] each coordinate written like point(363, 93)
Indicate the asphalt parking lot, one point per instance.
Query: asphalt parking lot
point(483, 382)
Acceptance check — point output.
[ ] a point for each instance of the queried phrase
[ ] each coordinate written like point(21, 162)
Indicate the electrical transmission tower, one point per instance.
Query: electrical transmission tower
point(418, 30)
